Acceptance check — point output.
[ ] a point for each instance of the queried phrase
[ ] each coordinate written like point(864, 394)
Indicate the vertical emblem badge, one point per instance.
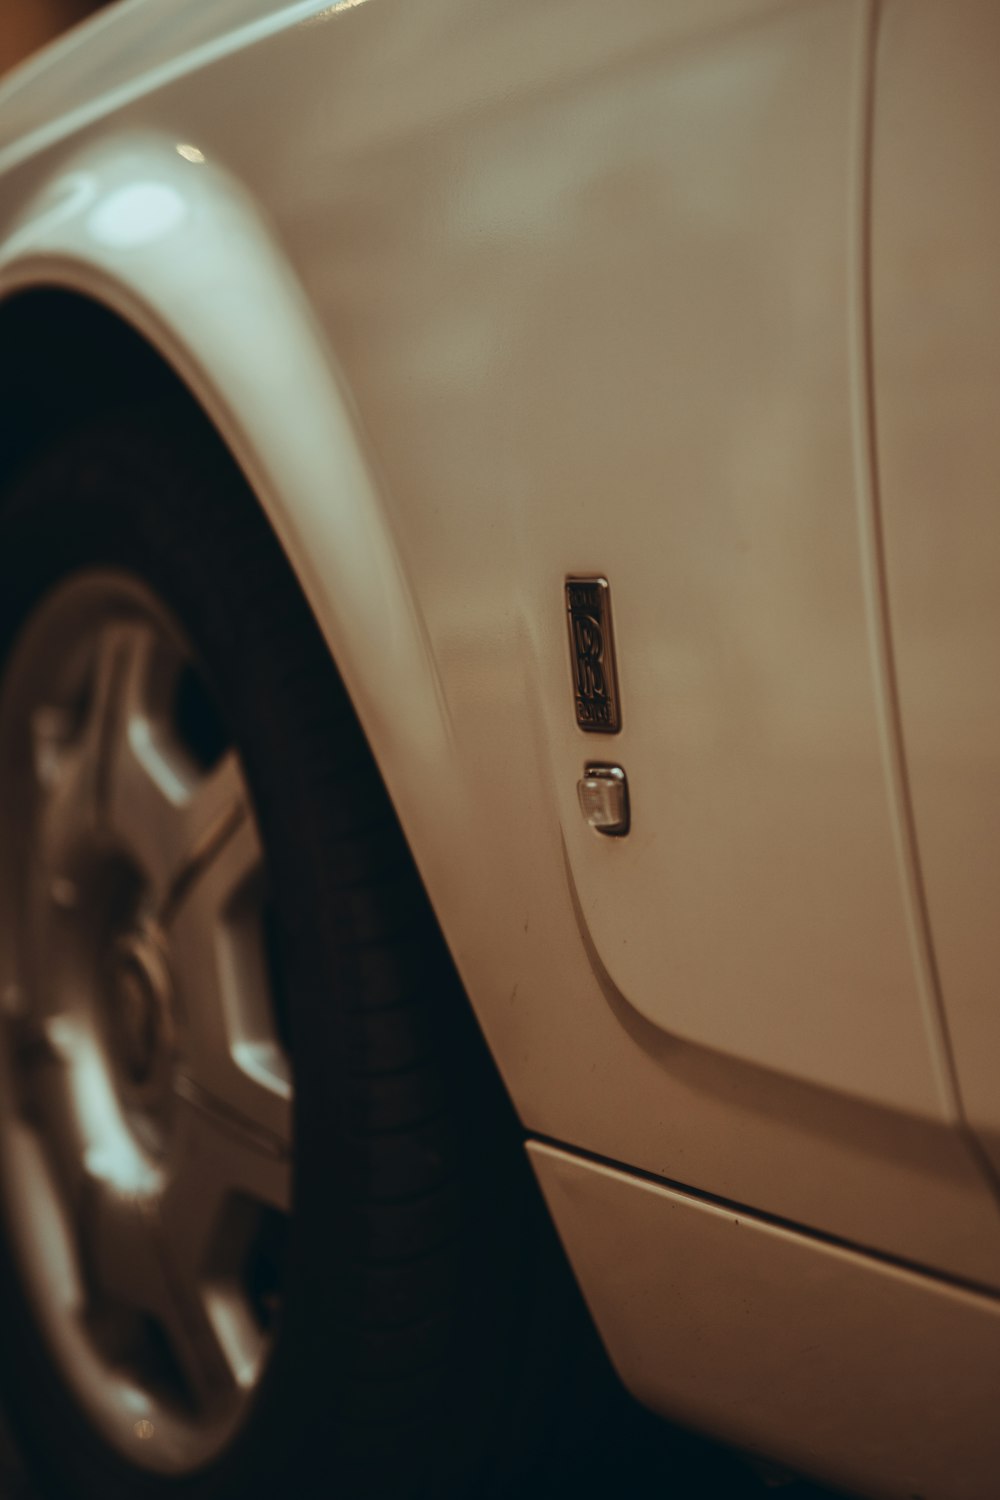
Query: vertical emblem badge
point(592, 651)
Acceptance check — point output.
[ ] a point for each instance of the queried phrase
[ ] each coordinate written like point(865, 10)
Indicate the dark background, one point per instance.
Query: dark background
point(26, 24)
point(624, 1455)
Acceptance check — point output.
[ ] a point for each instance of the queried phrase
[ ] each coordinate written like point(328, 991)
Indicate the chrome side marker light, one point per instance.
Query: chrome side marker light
point(603, 792)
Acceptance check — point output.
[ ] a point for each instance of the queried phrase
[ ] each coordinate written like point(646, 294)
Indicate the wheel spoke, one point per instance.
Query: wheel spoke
point(105, 780)
point(230, 1051)
point(214, 812)
point(68, 815)
point(119, 1224)
point(46, 1212)
point(153, 803)
point(255, 1157)
point(220, 1165)
point(205, 1360)
point(144, 1248)
point(218, 1162)
point(64, 1096)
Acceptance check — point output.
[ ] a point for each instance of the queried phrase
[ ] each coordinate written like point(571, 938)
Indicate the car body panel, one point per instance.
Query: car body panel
point(124, 52)
point(869, 1375)
point(936, 350)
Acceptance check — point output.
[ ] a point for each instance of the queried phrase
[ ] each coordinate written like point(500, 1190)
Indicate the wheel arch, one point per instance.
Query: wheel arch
point(211, 314)
point(65, 359)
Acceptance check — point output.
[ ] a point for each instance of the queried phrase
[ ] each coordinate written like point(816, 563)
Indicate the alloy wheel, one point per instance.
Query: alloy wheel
point(145, 1084)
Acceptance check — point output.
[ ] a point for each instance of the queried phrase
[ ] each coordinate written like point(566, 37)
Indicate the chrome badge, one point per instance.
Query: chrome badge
point(592, 650)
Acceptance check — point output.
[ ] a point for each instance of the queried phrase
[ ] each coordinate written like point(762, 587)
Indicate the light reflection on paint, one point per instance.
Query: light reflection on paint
point(71, 195)
point(137, 215)
point(189, 153)
point(330, 10)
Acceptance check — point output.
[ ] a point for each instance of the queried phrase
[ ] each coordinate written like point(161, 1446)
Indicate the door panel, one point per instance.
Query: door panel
point(757, 906)
point(936, 300)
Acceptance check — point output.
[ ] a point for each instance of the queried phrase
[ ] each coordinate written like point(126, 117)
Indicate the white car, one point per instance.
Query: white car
point(500, 727)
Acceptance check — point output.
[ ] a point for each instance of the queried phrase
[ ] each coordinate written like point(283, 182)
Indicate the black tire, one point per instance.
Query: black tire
point(427, 1309)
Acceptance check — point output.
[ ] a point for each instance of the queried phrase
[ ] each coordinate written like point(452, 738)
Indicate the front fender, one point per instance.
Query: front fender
point(175, 248)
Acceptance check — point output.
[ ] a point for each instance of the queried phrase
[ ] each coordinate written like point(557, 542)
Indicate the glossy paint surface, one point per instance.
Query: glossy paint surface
point(880, 1381)
point(482, 296)
point(936, 351)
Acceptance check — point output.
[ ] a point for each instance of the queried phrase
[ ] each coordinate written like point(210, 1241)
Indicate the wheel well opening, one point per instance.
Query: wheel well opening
point(64, 360)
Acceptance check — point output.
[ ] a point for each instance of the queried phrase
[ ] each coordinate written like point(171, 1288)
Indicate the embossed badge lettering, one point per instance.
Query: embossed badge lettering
point(588, 602)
